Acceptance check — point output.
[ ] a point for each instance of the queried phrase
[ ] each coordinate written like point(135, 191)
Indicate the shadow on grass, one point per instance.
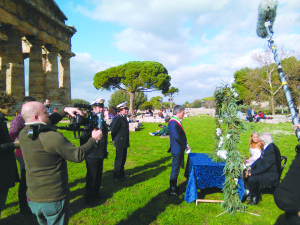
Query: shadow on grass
point(142, 168)
point(157, 205)
point(110, 186)
point(12, 204)
point(17, 219)
point(208, 191)
point(280, 220)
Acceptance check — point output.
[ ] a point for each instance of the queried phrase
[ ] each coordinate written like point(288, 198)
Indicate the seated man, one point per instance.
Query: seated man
point(265, 171)
point(163, 131)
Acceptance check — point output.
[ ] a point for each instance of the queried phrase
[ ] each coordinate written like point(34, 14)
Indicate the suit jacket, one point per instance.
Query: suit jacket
point(120, 132)
point(178, 139)
point(267, 167)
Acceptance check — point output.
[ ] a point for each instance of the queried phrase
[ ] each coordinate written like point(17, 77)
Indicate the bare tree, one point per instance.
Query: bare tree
point(266, 82)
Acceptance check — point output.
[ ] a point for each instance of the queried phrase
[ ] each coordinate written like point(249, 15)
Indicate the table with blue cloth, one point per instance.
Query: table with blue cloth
point(203, 173)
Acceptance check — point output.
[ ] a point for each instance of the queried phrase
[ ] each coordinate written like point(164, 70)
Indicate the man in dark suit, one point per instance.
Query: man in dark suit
point(178, 143)
point(265, 171)
point(94, 161)
point(287, 194)
point(120, 137)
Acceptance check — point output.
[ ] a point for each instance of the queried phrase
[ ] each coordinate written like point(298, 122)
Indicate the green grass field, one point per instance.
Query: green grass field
point(144, 199)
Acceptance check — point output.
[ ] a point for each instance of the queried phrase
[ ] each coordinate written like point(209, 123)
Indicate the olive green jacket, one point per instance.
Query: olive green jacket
point(45, 162)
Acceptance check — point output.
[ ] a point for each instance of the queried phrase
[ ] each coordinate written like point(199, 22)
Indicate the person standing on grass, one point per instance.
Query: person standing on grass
point(287, 194)
point(16, 125)
point(120, 137)
point(178, 144)
point(8, 166)
point(94, 161)
point(45, 153)
point(47, 105)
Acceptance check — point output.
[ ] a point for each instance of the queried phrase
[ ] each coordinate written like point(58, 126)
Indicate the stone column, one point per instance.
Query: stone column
point(51, 73)
point(15, 65)
point(3, 61)
point(64, 78)
point(36, 74)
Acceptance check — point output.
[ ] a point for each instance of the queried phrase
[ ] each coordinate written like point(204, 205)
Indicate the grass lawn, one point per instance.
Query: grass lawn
point(143, 198)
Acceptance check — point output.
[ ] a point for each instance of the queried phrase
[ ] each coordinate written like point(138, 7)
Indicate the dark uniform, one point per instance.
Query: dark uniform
point(8, 166)
point(120, 136)
point(94, 164)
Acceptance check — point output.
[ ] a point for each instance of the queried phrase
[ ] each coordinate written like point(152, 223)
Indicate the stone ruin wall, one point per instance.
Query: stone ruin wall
point(35, 29)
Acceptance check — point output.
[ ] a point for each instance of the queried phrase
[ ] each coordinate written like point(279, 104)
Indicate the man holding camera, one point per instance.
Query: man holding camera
point(120, 137)
point(94, 161)
point(45, 152)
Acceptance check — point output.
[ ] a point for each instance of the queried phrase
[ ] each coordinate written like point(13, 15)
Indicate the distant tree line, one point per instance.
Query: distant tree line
point(263, 84)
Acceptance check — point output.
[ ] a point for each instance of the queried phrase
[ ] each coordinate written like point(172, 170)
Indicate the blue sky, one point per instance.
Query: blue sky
point(201, 43)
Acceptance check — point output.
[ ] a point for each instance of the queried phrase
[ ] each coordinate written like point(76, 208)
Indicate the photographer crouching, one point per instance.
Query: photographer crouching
point(45, 152)
point(94, 161)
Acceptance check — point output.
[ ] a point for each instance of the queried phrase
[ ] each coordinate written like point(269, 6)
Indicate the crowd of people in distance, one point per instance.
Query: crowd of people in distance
point(252, 116)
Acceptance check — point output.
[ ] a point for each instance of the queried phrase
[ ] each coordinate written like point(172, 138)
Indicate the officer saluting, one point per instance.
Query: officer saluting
point(94, 161)
point(120, 137)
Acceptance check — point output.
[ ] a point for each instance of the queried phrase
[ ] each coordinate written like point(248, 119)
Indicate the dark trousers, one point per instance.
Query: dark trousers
point(254, 184)
point(94, 168)
point(23, 204)
point(176, 162)
point(121, 155)
point(287, 193)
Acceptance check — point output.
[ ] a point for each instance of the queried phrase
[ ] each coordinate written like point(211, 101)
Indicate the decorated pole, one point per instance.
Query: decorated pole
point(282, 78)
point(229, 128)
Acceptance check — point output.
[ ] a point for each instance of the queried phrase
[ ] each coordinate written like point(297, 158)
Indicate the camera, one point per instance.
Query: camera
point(88, 120)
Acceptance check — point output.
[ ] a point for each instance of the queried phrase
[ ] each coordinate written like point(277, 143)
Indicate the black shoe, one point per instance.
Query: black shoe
point(91, 202)
point(174, 193)
point(254, 200)
point(100, 197)
point(120, 178)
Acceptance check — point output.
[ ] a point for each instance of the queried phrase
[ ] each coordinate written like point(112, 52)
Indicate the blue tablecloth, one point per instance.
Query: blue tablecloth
point(204, 173)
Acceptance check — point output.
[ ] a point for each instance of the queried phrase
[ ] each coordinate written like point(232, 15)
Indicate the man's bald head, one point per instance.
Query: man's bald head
point(34, 112)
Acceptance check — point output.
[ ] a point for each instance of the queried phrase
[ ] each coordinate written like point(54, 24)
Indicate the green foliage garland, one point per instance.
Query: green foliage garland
point(231, 127)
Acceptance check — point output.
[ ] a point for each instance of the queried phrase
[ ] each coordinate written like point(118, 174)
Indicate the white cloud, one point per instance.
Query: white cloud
point(202, 43)
point(83, 69)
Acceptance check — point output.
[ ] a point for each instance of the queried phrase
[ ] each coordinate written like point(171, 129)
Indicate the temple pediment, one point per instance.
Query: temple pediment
point(48, 7)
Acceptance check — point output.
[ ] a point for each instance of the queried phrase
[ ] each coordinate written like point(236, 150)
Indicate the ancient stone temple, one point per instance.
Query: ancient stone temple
point(35, 29)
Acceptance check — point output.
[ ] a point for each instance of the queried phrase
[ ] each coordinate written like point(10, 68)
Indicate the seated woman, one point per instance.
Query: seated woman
point(254, 148)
